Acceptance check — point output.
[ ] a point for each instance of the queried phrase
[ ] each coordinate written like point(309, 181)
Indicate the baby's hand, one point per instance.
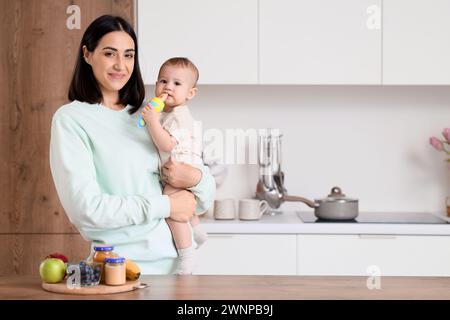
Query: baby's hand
point(149, 115)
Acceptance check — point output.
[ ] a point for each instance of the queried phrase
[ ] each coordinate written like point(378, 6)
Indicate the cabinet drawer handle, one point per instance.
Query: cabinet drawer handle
point(376, 236)
point(220, 236)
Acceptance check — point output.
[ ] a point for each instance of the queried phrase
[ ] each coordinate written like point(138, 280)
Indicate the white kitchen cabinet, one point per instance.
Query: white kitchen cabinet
point(369, 255)
point(416, 46)
point(320, 41)
point(299, 41)
point(248, 254)
point(220, 37)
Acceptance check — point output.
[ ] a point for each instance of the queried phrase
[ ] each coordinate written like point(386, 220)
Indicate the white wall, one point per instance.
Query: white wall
point(372, 141)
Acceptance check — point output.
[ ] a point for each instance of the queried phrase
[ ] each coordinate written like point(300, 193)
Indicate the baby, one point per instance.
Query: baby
point(173, 134)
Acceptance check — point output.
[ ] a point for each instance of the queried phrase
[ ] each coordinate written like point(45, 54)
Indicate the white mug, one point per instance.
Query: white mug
point(252, 209)
point(224, 209)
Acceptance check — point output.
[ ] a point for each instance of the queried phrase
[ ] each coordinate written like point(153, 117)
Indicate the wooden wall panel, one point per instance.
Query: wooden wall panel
point(8, 58)
point(22, 253)
point(37, 55)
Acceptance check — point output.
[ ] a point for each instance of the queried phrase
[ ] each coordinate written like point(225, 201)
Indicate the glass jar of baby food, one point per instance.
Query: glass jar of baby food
point(101, 252)
point(115, 271)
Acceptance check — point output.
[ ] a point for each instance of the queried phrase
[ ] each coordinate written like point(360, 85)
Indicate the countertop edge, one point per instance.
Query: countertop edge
point(289, 223)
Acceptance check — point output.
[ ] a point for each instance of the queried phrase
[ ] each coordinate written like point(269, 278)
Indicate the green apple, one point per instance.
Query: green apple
point(52, 270)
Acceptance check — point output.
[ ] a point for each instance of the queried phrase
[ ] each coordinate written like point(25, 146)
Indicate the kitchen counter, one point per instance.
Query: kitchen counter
point(289, 223)
point(167, 287)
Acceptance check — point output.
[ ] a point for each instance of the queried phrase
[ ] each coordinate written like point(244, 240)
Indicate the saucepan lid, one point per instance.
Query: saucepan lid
point(336, 195)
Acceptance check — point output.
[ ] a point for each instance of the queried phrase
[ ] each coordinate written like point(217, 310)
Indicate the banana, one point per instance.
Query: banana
point(133, 271)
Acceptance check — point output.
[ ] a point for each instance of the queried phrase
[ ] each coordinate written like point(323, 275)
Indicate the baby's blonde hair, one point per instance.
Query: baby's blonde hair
point(181, 62)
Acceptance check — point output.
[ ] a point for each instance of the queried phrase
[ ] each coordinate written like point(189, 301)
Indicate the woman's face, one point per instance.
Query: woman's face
point(112, 61)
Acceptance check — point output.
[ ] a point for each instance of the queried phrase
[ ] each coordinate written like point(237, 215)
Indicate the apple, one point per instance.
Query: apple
point(52, 270)
point(59, 256)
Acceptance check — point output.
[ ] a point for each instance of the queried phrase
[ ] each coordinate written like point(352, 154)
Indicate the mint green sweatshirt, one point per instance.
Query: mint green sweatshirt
point(106, 172)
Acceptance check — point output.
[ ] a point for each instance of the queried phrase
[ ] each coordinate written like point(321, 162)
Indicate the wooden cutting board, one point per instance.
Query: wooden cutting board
point(100, 289)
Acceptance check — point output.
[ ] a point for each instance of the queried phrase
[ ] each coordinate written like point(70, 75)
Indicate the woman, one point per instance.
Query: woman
point(104, 167)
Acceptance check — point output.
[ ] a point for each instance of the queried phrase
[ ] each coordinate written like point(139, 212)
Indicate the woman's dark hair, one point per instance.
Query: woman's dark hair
point(84, 86)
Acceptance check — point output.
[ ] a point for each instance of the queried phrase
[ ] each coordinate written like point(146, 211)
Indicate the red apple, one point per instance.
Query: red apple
point(58, 256)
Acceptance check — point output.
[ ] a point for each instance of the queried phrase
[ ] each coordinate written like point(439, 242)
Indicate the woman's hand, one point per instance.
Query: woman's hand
point(182, 205)
point(180, 175)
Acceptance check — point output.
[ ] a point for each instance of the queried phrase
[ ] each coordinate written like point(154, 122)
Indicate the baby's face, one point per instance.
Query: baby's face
point(178, 83)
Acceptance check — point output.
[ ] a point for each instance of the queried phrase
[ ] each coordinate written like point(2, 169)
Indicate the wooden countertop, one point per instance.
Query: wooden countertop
point(247, 288)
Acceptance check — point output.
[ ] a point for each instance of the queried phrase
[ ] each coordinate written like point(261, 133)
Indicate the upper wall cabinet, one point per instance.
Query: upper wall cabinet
point(320, 41)
point(299, 41)
point(220, 37)
point(416, 45)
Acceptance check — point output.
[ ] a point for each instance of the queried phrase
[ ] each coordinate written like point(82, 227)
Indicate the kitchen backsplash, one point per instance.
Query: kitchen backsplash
point(372, 141)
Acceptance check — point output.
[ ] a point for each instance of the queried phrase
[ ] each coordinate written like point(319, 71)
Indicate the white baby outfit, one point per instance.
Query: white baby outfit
point(188, 134)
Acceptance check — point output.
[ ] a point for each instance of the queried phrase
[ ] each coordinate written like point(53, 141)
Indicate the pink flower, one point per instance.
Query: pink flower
point(436, 143)
point(446, 134)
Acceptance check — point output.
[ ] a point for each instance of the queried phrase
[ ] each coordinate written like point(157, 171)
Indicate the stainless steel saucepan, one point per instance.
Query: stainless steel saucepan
point(334, 207)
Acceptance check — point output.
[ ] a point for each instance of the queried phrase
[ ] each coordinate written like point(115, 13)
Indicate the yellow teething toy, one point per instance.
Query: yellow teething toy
point(157, 104)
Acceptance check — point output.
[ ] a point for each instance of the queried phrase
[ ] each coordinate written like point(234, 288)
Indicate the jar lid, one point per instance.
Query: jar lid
point(115, 260)
point(103, 248)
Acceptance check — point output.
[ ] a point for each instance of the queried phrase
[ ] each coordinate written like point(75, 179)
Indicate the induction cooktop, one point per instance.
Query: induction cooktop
point(380, 217)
